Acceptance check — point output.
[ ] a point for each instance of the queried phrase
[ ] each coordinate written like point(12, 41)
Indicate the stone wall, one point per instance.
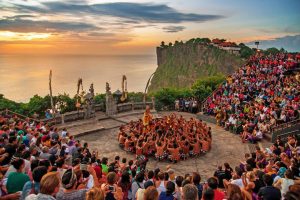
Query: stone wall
point(126, 107)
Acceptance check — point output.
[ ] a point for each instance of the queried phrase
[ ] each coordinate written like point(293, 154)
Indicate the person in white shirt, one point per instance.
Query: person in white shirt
point(257, 135)
point(236, 179)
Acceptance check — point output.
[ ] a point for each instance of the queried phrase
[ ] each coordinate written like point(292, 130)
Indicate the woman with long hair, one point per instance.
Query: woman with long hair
point(234, 192)
point(125, 184)
point(95, 194)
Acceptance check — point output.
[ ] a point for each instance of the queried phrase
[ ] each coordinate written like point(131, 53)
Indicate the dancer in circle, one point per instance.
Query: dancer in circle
point(169, 138)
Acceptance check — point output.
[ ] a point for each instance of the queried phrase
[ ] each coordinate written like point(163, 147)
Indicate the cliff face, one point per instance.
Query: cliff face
point(180, 65)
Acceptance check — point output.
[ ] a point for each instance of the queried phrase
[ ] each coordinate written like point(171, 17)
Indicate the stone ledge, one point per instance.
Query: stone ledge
point(206, 118)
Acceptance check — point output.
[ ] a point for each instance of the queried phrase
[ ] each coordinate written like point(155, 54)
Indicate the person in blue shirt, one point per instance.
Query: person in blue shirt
point(169, 193)
point(33, 187)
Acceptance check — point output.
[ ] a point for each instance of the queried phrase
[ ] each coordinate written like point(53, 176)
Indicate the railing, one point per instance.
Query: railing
point(286, 129)
point(285, 125)
point(283, 136)
point(22, 117)
point(213, 92)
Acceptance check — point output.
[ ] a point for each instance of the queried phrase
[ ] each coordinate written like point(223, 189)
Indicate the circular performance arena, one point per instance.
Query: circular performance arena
point(169, 138)
point(223, 146)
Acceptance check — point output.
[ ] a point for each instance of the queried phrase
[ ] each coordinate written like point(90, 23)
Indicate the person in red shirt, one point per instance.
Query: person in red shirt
point(213, 184)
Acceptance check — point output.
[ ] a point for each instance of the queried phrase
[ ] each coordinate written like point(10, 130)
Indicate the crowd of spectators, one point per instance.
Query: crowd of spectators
point(40, 162)
point(186, 105)
point(171, 137)
point(258, 96)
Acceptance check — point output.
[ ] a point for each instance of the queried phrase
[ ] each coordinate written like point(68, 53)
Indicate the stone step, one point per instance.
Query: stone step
point(98, 117)
point(85, 129)
point(206, 118)
point(69, 125)
point(111, 123)
point(86, 132)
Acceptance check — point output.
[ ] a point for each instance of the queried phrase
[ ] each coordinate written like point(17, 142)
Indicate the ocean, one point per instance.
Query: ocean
point(22, 76)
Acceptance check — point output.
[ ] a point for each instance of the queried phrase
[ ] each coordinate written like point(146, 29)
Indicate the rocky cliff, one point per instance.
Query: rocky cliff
point(181, 64)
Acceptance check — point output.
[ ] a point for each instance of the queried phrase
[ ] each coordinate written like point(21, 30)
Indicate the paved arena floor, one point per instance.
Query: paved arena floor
point(226, 147)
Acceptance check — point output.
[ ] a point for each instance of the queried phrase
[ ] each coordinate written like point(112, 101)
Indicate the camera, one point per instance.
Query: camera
point(111, 188)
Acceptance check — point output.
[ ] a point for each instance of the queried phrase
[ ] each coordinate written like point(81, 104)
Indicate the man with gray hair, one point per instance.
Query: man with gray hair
point(190, 192)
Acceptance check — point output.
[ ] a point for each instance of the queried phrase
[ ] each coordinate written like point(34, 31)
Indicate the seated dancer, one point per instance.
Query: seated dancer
point(171, 137)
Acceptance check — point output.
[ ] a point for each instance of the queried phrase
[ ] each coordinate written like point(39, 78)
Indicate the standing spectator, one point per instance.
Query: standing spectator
point(220, 174)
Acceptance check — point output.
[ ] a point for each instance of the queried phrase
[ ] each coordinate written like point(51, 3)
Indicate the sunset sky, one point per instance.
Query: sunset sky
point(136, 27)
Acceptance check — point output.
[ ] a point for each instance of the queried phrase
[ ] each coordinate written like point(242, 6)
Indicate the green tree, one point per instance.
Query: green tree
point(137, 97)
point(201, 91)
point(245, 51)
point(11, 105)
point(272, 51)
point(100, 98)
point(202, 40)
point(67, 103)
point(38, 104)
point(203, 87)
point(282, 50)
point(190, 41)
point(212, 81)
point(165, 98)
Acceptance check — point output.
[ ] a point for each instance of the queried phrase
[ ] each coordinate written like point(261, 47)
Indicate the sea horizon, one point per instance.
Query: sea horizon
point(24, 75)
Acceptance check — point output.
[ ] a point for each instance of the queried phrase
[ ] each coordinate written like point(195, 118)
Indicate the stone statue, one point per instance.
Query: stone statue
point(108, 88)
point(92, 90)
point(89, 102)
point(111, 105)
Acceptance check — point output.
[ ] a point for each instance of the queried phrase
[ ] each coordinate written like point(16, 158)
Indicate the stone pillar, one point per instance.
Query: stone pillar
point(111, 104)
point(62, 118)
point(153, 102)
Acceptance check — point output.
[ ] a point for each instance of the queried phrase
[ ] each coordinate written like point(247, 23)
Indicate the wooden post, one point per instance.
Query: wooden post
point(50, 88)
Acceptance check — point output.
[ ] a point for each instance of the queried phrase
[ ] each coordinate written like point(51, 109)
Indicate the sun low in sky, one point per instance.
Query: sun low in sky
point(136, 27)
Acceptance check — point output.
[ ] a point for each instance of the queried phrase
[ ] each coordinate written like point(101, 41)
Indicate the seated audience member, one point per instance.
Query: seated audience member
point(95, 194)
point(208, 194)
point(16, 180)
point(213, 184)
point(169, 194)
point(69, 183)
point(269, 192)
point(151, 193)
point(189, 192)
point(49, 186)
point(33, 187)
